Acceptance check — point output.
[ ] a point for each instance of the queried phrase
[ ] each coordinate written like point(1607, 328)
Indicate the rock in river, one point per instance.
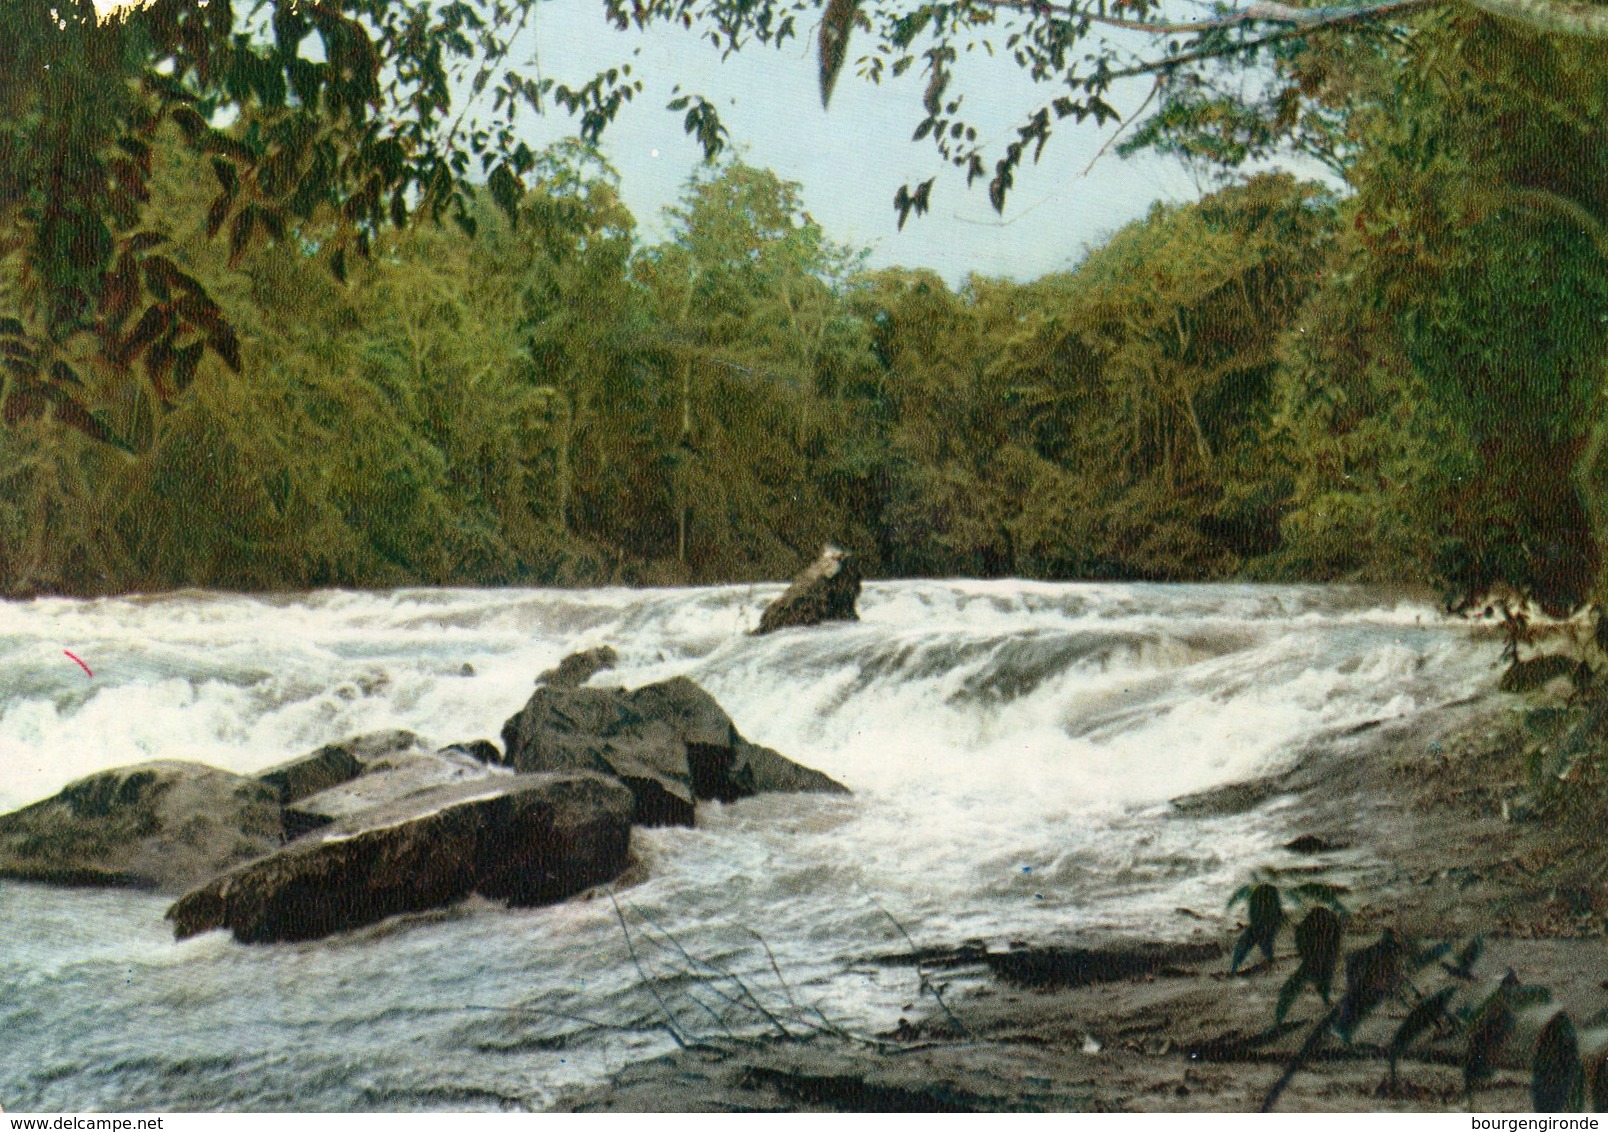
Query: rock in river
point(826, 591)
point(669, 742)
point(577, 668)
point(526, 839)
point(164, 825)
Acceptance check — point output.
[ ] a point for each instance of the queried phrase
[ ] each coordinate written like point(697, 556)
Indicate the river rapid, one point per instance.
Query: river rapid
point(1011, 747)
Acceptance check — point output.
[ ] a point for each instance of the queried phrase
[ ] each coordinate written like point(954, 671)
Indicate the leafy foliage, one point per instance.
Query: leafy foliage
point(319, 126)
point(1385, 970)
point(1266, 915)
point(1317, 943)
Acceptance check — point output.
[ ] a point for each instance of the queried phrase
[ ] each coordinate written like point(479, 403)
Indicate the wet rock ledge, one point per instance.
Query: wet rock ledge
point(382, 824)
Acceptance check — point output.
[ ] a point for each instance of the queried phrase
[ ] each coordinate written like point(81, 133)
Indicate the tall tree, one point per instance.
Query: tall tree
point(320, 123)
point(747, 296)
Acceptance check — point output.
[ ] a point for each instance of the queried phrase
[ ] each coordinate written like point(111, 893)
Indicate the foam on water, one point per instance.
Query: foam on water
point(1011, 747)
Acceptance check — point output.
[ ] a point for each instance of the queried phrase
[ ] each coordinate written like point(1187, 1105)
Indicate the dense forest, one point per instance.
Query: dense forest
point(1396, 377)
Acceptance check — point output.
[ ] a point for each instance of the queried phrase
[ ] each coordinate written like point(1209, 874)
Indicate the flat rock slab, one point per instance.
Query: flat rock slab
point(525, 839)
point(335, 763)
point(165, 825)
point(389, 782)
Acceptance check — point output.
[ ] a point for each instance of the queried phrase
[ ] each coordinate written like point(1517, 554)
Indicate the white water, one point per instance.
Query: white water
point(1011, 747)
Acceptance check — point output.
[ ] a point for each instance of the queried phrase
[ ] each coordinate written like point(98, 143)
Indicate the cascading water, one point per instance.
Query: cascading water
point(1011, 747)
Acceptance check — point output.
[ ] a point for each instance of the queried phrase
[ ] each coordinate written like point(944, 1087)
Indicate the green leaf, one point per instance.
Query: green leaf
point(1373, 974)
point(189, 121)
point(141, 242)
point(121, 290)
point(1288, 993)
point(1558, 1080)
point(1317, 942)
point(1266, 916)
point(837, 22)
point(1599, 1083)
point(185, 363)
point(1488, 1031)
point(155, 322)
point(905, 202)
point(506, 191)
point(74, 415)
point(218, 213)
point(228, 176)
point(226, 344)
point(1313, 892)
point(1430, 1012)
point(240, 234)
point(201, 312)
point(1462, 966)
point(1529, 675)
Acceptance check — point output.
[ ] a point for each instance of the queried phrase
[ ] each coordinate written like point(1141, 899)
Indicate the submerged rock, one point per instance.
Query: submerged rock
point(525, 839)
point(577, 668)
point(826, 591)
point(164, 825)
point(669, 742)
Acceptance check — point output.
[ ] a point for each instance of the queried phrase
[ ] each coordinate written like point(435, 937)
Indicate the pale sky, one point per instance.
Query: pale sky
point(851, 159)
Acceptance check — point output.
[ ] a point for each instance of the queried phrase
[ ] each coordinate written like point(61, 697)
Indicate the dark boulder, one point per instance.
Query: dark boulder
point(525, 839)
point(761, 770)
point(669, 742)
point(162, 825)
point(577, 668)
point(826, 591)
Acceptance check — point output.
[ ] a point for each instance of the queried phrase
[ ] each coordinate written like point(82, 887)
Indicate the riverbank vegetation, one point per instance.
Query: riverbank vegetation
point(1392, 376)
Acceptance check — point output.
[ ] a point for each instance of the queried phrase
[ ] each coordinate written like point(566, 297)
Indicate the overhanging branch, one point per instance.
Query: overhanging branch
point(1560, 17)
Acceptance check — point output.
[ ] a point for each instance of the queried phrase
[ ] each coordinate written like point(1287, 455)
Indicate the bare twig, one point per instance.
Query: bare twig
point(713, 1013)
point(787, 990)
point(826, 1024)
point(722, 972)
point(670, 1018)
point(1126, 122)
point(926, 984)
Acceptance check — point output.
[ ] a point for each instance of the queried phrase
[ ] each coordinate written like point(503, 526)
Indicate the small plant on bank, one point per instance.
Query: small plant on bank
point(1387, 970)
point(1265, 908)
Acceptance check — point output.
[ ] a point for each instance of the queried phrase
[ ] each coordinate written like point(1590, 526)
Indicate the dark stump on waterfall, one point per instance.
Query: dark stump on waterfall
point(164, 825)
point(826, 591)
point(525, 839)
point(670, 743)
